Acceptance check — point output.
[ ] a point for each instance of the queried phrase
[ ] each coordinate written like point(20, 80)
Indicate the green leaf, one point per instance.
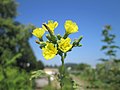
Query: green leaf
point(104, 47)
point(105, 32)
point(114, 46)
point(38, 73)
point(13, 59)
point(108, 27)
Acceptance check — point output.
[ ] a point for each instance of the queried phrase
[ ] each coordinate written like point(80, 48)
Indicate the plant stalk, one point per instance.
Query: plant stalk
point(62, 74)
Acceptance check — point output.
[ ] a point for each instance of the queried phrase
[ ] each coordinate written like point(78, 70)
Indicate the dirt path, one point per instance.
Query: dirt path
point(41, 82)
point(81, 83)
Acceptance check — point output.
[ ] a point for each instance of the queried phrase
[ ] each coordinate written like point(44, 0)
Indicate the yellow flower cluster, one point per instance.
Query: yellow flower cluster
point(51, 49)
point(39, 32)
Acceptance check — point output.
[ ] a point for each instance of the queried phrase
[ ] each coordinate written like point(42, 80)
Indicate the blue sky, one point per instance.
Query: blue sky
point(90, 16)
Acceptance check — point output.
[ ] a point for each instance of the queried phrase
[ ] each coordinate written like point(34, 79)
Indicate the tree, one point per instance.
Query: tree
point(110, 48)
point(16, 56)
point(108, 72)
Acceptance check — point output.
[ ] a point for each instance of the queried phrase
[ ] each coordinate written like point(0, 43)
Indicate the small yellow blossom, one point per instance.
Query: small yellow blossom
point(49, 51)
point(38, 32)
point(52, 25)
point(70, 27)
point(64, 44)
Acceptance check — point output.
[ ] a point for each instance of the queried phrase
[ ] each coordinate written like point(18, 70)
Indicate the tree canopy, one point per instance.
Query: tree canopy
point(16, 55)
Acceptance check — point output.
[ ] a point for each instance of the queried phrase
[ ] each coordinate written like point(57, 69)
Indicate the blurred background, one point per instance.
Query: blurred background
point(94, 66)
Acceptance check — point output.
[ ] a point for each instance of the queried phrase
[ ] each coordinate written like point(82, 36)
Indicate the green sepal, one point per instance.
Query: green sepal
point(48, 37)
point(54, 39)
point(59, 36)
point(43, 44)
point(77, 41)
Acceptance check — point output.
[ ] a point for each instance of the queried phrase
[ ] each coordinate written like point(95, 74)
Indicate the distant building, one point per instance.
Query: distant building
point(43, 81)
point(52, 72)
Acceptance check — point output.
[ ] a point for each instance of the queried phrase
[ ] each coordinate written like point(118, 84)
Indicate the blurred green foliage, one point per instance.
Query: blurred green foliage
point(106, 75)
point(16, 56)
point(109, 40)
point(13, 79)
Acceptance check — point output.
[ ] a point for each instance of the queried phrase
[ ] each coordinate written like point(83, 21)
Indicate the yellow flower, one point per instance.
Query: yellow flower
point(49, 51)
point(52, 25)
point(64, 44)
point(38, 32)
point(70, 27)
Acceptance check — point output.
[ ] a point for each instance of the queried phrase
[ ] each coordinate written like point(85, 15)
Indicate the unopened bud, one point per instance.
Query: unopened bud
point(59, 36)
point(38, 42)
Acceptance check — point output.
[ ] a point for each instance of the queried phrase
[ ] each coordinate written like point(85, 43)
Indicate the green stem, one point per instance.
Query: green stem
point(62, 74)
point(66, 35)
point(62, 59)
point(41, 39)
